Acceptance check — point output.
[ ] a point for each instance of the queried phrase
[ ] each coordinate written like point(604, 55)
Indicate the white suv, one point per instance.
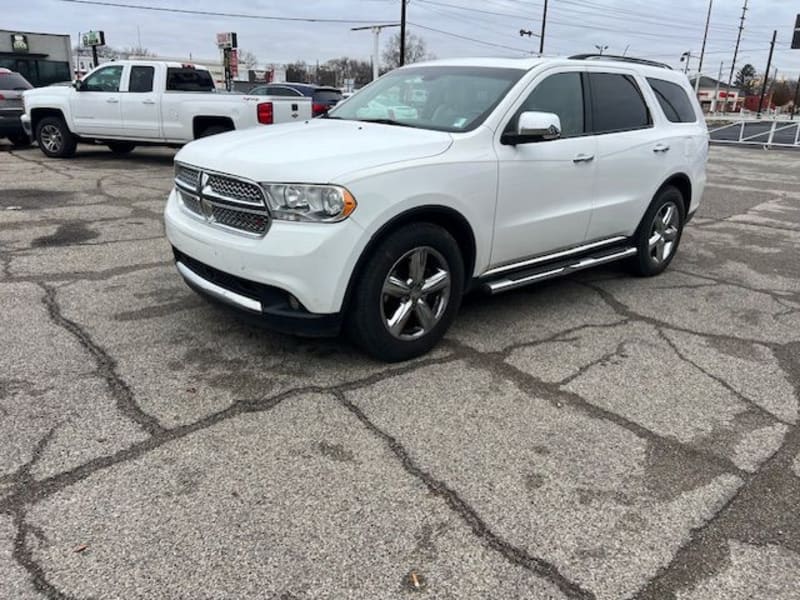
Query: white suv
point(381, 216)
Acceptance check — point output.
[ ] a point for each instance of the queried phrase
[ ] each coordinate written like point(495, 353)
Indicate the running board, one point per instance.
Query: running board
point(558, 269)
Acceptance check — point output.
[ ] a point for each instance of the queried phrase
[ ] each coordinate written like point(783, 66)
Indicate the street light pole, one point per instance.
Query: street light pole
point(600, 48)
point(716, 91)
point(376, 32)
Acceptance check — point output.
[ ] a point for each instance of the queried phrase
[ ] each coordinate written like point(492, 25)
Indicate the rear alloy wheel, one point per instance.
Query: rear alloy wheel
point(408, 293)
point(121, 147)
point(659, 233)
point(55, 139)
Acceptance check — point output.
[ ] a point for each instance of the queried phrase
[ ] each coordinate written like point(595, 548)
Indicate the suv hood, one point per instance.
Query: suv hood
point(315, 151)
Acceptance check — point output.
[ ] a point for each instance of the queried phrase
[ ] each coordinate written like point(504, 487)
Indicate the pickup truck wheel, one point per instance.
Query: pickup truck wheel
point(408, 293)
point(121, 147)
point(55, 139)
point(213, 130)
point(659, 233)
point(19, 141)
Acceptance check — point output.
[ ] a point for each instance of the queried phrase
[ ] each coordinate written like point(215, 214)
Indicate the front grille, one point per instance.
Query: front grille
point(188, 176)
point(238, 219)
point(235, 189)
point(223, 200)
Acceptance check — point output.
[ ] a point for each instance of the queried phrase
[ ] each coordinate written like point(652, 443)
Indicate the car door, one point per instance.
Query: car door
point(544, 200)
point(631, 160)
point(95, 106)
point(140, 109)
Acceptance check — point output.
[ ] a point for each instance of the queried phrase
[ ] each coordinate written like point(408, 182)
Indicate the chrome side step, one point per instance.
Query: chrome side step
point(558, 269)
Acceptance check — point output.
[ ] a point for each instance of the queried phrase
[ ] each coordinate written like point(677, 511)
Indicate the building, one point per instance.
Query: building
point(41, 58)
point(728, 99)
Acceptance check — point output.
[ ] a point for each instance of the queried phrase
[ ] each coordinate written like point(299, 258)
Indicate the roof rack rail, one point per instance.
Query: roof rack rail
point(630, 59)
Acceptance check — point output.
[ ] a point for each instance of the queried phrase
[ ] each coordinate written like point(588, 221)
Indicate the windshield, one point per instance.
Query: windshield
point(13, 81)
point(443, 98)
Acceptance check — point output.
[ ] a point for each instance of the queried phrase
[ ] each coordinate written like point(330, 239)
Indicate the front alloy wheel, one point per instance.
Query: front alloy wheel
point(415, 293)
point(51, 138)
point(407, 293)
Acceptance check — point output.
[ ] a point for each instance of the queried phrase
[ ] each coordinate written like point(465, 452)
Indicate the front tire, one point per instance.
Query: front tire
point(121, 148)
point(408, 293)
point(55, 139)
point(659, 233)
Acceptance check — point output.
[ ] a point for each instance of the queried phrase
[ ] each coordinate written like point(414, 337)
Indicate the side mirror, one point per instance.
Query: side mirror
point(534, 127)
point(78, 85)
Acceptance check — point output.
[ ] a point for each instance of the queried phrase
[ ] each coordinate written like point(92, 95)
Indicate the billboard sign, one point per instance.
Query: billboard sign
point(93, 38)
point(227, 40)
point(19, 43)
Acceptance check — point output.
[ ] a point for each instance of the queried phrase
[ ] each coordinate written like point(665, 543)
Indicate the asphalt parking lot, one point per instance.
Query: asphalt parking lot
point(596, 437)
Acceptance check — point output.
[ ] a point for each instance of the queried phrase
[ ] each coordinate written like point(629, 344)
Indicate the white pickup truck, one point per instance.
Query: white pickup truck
point(123, 104)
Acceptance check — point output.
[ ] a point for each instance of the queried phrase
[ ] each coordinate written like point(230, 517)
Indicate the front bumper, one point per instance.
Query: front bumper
point(25, 121)
point(310, 261)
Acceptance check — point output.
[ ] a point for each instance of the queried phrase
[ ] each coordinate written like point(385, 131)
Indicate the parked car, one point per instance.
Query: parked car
point(513, 171)
point(322, 98)
point(12, 85)
point(123, 104)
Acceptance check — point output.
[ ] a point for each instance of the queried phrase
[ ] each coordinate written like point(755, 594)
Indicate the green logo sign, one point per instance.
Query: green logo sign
point(19, 42)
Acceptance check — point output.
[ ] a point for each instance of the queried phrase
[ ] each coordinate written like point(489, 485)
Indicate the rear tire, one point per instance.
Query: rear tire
point(55, 139)
point(407, 294)
point(213, 130)
point(121, 147)
point(20, 140)
point(659, 233)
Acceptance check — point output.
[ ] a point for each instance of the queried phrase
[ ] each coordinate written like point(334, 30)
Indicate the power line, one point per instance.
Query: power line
point(469, 39)
point(206, 13)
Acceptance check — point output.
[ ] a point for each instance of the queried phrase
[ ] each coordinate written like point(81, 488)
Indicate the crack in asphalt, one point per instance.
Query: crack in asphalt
point(469, 515)
point(106, 366)
point(74, 276)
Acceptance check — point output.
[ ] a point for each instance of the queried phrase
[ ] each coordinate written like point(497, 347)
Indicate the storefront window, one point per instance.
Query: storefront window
point(38, 71)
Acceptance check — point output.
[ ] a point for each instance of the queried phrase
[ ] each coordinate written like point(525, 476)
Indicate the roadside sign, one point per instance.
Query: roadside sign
point(234, 62)
point(227, 40)
point(19, 42)
point(796, 38)
point(94, 38)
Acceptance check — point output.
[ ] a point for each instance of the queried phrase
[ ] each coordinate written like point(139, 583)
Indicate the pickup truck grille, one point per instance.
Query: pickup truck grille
point(223, 200)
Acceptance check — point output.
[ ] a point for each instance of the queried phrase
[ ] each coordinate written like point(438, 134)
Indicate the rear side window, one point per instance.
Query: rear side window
point(14, 81)
point(617, 103)
point(141, 79)
point(280, 90)
point(189, 80)
point(327, 96)
point(673, 100)
point(561, 94)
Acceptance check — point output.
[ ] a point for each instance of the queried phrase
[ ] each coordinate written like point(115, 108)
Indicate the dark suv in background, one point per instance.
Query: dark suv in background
point(11, 87)
point(322, 98)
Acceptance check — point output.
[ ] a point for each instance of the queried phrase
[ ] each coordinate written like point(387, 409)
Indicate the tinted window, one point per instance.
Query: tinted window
point(13, 81)
point(673, 100)
point(105, 80)
point(280, 90)
point(327, 96)
point(141, 79)
point(189, 80)
point(617, 103)
point(561, 94)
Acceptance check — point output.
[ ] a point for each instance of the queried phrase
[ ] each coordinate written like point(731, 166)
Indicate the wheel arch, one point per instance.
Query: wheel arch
point(683, 184)
point(201, 123)
point(37, 114)
point(444, 216)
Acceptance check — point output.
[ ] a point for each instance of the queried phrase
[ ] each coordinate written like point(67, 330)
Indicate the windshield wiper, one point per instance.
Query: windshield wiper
point(387, 122)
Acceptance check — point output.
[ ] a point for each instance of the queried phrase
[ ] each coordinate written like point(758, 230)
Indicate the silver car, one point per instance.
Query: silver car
point(11, 87)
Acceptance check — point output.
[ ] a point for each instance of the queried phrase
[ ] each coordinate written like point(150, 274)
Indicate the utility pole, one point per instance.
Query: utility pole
point(736, 49)
point(703, 49)
point(686, 56)
point(544, 22)
point(716, 91)
point(766, 73)
point(796, 98)
point(402, 32)
point(376, 32)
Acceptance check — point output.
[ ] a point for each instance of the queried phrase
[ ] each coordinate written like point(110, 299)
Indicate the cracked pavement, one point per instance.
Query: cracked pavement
point(600, 436)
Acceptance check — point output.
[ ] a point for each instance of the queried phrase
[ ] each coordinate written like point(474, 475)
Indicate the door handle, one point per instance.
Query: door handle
point(661, 148)
point(148, 101)
point(112, 100)
point(582, 158)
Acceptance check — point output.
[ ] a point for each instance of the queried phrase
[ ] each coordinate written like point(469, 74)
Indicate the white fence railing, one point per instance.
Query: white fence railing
point(771, 132)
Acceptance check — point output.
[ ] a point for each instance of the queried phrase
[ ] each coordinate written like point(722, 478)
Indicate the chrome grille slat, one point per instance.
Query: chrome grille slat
point(223, 200)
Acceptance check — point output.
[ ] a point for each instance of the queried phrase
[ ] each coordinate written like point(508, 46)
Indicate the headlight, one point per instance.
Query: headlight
point(301, 202)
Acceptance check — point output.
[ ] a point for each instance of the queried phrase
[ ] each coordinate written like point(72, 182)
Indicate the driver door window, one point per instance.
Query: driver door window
point(561, 94)
point(105, 80)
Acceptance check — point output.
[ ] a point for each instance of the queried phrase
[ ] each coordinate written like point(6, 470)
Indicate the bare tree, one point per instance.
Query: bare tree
point(416, 50)
point(783, 92)
point(247, 59)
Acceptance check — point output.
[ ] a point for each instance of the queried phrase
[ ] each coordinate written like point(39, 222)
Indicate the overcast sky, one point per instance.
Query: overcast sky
point(659, 29)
